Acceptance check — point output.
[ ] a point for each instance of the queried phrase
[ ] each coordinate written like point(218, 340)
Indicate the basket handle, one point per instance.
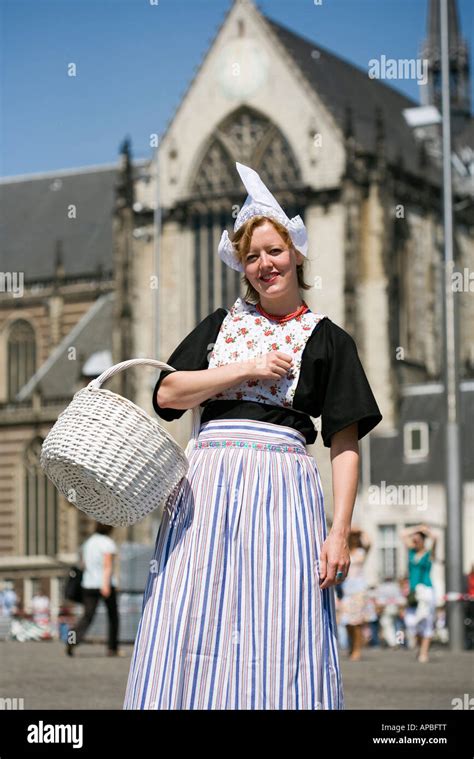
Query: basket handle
point(98, 381)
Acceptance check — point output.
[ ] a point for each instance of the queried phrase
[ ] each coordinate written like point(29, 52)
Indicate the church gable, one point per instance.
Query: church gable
point(246, 62)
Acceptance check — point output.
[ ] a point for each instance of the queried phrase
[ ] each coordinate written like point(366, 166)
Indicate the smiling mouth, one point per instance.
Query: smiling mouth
point(269, 279)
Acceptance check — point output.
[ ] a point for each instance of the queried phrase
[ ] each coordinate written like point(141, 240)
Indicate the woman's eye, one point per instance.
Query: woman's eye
point(273, 250)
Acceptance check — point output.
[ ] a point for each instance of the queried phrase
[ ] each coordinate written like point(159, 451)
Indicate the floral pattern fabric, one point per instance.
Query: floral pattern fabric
point(246, 334)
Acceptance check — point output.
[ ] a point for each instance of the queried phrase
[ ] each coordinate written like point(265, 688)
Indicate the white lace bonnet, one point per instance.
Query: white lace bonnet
point(260, 202)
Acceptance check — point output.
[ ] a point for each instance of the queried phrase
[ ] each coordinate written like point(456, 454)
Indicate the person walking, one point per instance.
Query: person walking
point(421, 606)
point(98, 582)
point(238, 610)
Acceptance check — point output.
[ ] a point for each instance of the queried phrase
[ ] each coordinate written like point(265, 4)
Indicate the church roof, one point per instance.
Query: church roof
point(340, 84)
point(34, 217)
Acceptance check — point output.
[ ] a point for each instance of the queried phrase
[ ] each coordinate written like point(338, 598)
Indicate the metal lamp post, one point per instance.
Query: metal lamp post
point(454, 545)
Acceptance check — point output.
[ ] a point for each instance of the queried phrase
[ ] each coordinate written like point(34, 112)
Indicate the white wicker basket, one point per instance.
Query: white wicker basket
point(109, 457)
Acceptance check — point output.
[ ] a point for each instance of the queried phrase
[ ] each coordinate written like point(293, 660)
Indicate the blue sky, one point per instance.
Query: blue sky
point(134, 62)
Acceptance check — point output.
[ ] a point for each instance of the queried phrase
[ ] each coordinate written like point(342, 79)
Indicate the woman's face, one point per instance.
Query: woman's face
point(269, 266)
point(417, 542)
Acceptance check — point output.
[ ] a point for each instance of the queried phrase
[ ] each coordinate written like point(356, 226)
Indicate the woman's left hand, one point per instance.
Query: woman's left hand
point(335, 557)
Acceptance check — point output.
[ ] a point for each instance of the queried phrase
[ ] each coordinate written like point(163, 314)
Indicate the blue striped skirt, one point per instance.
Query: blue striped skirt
point(233, 616)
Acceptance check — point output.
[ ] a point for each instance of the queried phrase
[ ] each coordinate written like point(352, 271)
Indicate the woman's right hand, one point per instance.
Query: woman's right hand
point(272, 365)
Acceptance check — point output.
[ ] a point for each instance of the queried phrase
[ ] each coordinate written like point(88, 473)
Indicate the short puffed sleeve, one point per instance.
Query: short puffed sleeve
point(348, 397)
point(192, 354)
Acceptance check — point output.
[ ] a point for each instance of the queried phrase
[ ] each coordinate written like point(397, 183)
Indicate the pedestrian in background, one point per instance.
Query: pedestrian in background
point(390, 602)
point(420, 612)
point(98, 582)
point(8, 599)
point(356, 606)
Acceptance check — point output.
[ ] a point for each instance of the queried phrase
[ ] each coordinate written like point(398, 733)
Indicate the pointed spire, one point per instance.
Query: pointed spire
point(124, 187)
point(434, 25)
point(458, 63)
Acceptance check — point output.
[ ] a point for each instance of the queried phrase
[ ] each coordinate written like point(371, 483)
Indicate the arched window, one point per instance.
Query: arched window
point(40, 504)
point(21, 356)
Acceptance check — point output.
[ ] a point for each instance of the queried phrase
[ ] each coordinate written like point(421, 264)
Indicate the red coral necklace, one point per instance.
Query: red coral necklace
point(299, 311)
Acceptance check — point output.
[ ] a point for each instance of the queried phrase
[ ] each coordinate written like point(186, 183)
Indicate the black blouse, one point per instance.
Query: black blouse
point(332, 383)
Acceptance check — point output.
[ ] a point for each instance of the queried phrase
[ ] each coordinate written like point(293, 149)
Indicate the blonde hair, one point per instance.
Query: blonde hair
point(241, 242)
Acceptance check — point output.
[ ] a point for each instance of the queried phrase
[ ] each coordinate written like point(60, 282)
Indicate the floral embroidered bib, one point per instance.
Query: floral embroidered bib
point(246, 334)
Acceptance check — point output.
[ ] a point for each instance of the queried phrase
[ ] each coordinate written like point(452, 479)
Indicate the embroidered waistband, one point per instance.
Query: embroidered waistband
point(249, 433)
point(282, 447)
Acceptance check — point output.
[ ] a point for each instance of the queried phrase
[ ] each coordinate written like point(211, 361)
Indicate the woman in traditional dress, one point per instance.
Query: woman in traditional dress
point(238, 610)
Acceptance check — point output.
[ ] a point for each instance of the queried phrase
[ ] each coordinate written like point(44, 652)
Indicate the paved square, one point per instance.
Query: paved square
point(41, 674)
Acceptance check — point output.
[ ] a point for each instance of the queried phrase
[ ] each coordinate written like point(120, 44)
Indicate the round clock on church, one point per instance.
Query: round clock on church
point(242, 68)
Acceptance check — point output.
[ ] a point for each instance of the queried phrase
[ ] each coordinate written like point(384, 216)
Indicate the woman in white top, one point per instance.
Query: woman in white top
point(98, 581)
